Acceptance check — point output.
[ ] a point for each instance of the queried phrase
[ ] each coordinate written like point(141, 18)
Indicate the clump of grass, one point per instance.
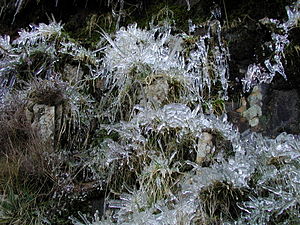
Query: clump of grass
point(47, 92)
point(220, 202)
point(149, 70)
point(158, 179)
point(20, 207)
point(15, 129)
point(24, 183)
point(24, 169)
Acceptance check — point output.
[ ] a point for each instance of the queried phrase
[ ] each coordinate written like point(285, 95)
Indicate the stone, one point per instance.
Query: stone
point(243, 106)
point(252, 112)
point(254, 122)
point(255, 97)
point(204, 147)
point(44, 122)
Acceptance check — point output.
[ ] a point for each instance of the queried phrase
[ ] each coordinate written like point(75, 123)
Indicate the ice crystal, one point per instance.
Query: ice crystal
point(199, 66)
point(39, 33)
point(157, 177)
point(5, 44)
point(79, 53)
point(293, 15)
point(277, 162)
point(135, 46)
point(172, 116)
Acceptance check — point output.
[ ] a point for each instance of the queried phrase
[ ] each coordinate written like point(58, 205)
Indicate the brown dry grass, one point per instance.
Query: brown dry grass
point(22, 153)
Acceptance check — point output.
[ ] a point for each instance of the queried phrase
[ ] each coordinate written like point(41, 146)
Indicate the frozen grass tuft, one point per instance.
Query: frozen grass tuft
point(154, 67)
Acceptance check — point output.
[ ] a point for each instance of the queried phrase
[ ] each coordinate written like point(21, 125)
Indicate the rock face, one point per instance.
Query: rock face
point(283, 112)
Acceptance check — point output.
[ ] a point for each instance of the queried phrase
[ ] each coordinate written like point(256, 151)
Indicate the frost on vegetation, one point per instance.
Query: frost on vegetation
point(150, 160)
point(272, 164)
point(24, 48)
point(258, 73)
point(40, 33)
point(22, 51)
point(21, 58)
point(159, 200)
point(167, 194)
point(148, 59)
point(276, 197)
point(173, 116)
point(79, 53)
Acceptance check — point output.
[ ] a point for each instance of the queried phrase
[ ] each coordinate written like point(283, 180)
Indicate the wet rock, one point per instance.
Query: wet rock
point(234, 112)
point(284, 112)
point(254, 112)
point(243, 106)
point(256, 96)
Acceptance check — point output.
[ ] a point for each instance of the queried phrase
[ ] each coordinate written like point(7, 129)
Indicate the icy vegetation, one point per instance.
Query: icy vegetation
point(169, 154)
point(167, 145)
point(270, 165)
point(163, 68)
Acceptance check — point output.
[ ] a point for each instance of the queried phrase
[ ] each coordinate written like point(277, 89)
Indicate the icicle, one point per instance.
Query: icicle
point(188, 4)
point(257, 74)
